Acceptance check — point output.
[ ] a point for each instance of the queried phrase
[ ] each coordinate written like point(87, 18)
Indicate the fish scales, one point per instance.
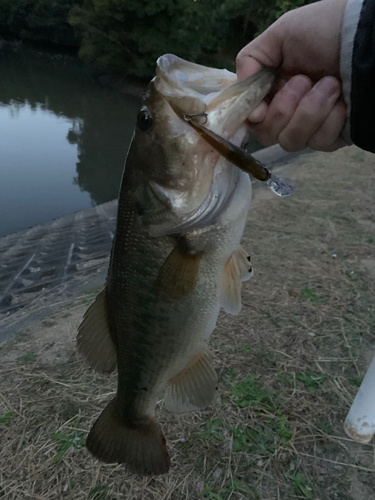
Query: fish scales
point(175, 261)
point(158, 327)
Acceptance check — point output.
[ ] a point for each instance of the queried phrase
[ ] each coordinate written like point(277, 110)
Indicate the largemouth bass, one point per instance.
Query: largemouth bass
point(176, 259)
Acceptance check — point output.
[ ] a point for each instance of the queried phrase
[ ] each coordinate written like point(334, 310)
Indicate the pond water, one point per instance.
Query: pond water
point(63, 138)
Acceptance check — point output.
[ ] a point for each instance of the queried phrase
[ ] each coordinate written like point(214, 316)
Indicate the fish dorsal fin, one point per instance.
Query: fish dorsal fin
point(94, 340)
point(194, 387)
point(178, 275)
point(230, 293)
point(242, 261)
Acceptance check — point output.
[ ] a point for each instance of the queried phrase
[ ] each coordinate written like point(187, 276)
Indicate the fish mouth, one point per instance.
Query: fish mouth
point(192, 89)
point(186, 85)
point(226, 106)
point(189, 89)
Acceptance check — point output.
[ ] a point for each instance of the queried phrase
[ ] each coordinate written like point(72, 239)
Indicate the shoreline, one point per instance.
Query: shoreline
point(47, 266)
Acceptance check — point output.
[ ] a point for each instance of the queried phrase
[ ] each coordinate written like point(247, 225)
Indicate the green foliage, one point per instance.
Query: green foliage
point(311, 381)
point(307, 294)
point(209, 430)
point(230, 487)
point(6, 418)
point(299, 483)
point(210, 494)
point(263, 440)
point(228, 375)
point(282, 430)
point(240, 438)
point(245, 349)
point(74, 440)
point(256, 441)
point(99, 492)
point(356, 381)
point(29, 357)
point(38, 20)
point(238, 487)
point(326, 428)
point(286, 378)
point(132, 35)
point(351, 275)
point(247, 394)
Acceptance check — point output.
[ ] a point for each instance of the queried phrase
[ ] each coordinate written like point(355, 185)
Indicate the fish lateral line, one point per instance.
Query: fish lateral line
point(239, 157)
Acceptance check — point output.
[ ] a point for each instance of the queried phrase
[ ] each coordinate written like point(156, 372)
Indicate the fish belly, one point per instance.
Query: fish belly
point(198, 320)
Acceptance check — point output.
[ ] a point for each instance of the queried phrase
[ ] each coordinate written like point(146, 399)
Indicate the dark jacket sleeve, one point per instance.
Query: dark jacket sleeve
point(362, 96)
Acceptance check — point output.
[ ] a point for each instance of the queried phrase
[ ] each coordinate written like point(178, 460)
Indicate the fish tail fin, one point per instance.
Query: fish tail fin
point(140, 445)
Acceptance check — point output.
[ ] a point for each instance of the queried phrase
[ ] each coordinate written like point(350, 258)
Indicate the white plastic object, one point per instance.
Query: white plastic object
point(360, 421)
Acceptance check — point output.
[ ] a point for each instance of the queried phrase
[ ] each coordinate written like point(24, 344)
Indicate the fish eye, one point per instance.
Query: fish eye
point(144, 119)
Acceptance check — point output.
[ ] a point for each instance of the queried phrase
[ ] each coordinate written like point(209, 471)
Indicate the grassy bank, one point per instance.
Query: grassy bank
point(289, 367)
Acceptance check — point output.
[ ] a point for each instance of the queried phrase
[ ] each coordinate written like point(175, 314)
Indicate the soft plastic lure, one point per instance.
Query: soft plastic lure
point(282, 186)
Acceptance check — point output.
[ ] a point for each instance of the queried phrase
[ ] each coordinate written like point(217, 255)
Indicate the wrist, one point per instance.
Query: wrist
point(349, 28)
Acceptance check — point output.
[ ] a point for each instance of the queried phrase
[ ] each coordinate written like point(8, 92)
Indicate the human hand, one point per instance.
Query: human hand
point(306, 107)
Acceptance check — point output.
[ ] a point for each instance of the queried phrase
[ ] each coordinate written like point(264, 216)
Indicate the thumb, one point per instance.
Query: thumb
point(246, 65)
point(265, 50)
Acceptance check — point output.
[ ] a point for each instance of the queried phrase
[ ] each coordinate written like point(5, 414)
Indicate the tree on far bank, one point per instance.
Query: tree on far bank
point(130, 35)
point(38, 20)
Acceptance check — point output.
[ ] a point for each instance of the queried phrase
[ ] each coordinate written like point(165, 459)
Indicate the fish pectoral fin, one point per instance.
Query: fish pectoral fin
point(230, 293)
point(178, 275)
point(242, 261)
point(194, 387)
point(138, 444)
point(94, 339)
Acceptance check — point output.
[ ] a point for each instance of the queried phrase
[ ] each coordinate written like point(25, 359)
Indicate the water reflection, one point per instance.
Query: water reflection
point(63, 138)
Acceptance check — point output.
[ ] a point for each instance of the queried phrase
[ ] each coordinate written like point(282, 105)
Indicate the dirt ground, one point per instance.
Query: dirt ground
point(289, 367)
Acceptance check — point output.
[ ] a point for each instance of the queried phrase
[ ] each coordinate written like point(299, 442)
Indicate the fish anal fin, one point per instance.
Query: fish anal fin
point(94, 339)
point(230, 293)
point(194, 387)
point(242, 261)
point(178, 275)
point(139, 444)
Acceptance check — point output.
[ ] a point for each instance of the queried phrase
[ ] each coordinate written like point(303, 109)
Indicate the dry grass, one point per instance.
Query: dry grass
point(305, 335)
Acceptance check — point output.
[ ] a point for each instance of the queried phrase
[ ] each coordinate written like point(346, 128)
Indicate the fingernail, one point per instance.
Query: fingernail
point(328, 86)
point(299, 85)
point(259, 113)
